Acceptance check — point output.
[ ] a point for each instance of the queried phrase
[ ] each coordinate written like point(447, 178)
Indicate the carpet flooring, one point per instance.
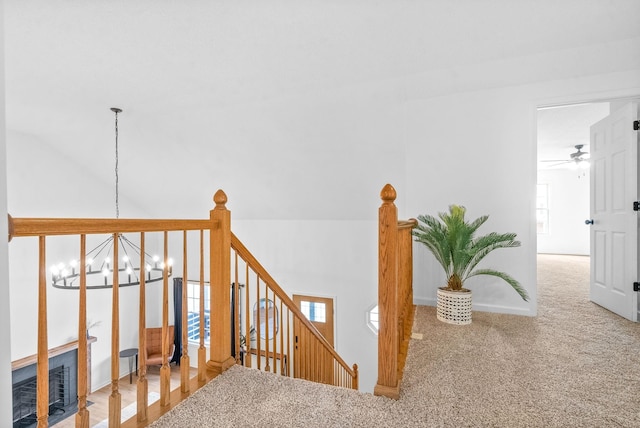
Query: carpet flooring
point(574, 365)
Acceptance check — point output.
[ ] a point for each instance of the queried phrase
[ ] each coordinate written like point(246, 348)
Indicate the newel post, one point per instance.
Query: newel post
point(387, 384)
point(220, 293)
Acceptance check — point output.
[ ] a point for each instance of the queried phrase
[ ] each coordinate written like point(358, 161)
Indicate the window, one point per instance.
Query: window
point(372, 319)
point(193, 312)
point(314, 311)
point(542, 209)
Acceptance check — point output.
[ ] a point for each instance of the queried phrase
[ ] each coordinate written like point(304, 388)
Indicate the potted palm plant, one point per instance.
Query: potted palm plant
point(452, 241)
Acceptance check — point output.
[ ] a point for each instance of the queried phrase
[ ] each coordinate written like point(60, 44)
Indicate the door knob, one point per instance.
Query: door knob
point(588, 221)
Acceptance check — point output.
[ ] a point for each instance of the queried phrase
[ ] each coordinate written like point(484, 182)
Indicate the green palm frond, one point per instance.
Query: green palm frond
point(452, 241)
point(485, 245)
point(509, 279)
point(433, 235)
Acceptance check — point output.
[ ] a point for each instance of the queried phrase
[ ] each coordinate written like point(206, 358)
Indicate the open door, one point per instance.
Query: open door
point(614, 222)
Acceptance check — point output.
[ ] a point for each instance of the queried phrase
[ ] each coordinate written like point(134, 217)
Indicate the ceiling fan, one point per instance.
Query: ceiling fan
point(578, 158)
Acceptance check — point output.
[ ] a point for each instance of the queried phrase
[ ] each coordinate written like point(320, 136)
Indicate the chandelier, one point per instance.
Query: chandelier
point(99, 265)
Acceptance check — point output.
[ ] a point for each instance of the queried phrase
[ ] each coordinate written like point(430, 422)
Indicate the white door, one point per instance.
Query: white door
point(614, 231)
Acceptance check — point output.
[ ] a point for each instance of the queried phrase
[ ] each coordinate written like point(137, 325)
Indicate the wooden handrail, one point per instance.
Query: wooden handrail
point(21, 227)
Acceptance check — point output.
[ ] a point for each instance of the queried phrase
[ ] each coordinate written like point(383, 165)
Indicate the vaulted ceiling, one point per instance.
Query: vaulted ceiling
point(183, 70)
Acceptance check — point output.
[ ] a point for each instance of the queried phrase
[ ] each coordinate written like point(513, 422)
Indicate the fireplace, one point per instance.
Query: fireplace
point(63, 394)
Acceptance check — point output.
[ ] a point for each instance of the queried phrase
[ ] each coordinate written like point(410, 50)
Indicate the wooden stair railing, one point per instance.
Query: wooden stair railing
point(317, 360)
point(395, 294)
point(286, 341)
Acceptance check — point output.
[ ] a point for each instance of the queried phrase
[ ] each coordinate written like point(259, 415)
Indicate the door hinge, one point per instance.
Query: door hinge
point(636, 125)
point(636, 205)
point(636, 286)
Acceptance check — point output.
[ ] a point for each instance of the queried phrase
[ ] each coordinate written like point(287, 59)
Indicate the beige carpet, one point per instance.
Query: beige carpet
point(575, 365)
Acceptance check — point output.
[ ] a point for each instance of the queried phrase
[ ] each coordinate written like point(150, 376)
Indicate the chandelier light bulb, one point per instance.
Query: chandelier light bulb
point(105, 272)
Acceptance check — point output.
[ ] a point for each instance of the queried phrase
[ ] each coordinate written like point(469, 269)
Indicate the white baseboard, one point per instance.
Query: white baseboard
point(480, 307)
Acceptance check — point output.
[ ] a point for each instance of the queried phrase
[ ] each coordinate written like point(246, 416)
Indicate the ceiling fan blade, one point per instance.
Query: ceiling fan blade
point(578, 154)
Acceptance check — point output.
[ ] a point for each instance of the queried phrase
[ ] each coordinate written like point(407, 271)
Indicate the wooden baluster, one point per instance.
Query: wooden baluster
point(282, 354)
point(307, 353)
point(387, 384)
point(289, 322)
point(266, 328)
point(320, 359)
point(202, 350)
point(184, 359)
point(299, 352)
point(220, 274)
point(275, 332)
point(82, 417)
point(165, 370)
point(316, 360)
point(247, 326)
point(354, 381)
point(267, 366)
point(236, 310)
point(42, 400)
point(115, 397)
point(143, 383)
point(314, 352)
point(317, 356)
point(258, 324)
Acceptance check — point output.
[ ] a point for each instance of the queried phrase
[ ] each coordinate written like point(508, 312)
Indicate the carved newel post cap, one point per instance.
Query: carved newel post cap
point(388, 193)
point(220, 198)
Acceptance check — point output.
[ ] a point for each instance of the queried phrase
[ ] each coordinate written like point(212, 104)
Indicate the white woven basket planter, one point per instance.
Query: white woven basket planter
point(454, 307)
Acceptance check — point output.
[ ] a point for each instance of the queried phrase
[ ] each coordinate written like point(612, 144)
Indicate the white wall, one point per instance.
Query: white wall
point(470, 149)
point(568, 210)
point(6, 399)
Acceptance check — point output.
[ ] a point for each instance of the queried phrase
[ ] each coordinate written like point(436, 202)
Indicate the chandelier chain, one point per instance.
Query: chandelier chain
point(151, 268)
point(116, 167)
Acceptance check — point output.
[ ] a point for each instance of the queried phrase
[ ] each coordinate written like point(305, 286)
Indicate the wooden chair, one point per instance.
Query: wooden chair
point(154, 345)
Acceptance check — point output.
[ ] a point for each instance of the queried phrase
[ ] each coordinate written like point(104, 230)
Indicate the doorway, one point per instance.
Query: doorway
point(605, 129)
point(562, 203)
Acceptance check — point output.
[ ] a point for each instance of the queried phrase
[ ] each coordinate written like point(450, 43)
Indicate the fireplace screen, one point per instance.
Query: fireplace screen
point(25, 397)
